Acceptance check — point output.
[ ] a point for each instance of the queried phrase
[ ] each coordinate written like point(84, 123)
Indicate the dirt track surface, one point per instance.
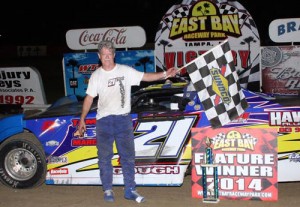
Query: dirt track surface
point(92, 196)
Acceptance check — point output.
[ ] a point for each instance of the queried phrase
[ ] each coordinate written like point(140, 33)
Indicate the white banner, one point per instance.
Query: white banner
point(21, 85)
point(123, 37)
point(285, 30)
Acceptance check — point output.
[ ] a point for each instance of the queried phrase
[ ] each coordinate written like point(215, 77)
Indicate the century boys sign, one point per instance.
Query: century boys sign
point(123, 37)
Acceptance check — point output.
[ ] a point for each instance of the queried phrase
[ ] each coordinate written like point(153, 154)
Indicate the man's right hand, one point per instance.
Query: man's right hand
point(81, 128)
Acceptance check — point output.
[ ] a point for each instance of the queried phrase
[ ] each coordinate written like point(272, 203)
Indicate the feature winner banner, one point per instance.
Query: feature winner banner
point(280, 70)
point(246, 160)
point(191, 28)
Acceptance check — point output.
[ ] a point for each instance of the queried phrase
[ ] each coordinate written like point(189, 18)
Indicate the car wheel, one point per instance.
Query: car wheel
point(22, 161)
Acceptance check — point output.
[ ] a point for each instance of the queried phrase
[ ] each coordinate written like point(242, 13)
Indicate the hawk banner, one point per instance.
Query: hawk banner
point(214, 77)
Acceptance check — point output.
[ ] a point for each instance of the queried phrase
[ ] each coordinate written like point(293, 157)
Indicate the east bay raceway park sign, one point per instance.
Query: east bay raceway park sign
point(189, 29)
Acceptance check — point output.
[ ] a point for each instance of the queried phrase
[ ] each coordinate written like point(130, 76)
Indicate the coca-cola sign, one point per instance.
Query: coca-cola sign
point(123, 37)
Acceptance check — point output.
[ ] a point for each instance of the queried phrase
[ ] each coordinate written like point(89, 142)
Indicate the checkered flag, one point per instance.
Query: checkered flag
point(219, 137)
point(249, 136)
point(229, 9)
point(181, 11)
point(215, 79)
point(249, 77)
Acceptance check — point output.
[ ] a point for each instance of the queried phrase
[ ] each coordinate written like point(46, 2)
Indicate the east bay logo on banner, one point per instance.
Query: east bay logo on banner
point(191, 28)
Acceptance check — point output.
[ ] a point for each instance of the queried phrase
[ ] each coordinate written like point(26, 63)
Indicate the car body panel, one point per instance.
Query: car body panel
point(8, 129)
point(162, 119)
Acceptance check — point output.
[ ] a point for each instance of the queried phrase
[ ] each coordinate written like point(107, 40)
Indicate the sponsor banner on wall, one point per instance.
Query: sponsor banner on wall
point(21, 85)
point(123, 37)
point(78, 67)
point(246, 162)
point(285, 30)
point(280, 67)
point(193, 27)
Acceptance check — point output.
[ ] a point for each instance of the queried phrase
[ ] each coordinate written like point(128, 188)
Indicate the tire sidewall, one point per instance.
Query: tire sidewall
point(7, 180)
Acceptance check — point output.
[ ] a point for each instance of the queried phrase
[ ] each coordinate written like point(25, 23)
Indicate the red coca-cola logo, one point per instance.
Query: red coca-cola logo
point(115, 35)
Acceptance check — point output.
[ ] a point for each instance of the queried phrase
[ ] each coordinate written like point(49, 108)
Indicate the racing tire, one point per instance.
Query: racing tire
point(22, 162)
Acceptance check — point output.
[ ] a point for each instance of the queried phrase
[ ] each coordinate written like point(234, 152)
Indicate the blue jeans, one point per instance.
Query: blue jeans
point(116, 128)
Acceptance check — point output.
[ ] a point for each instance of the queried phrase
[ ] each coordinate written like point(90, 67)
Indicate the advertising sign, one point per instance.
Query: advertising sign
point(285, 30)
point(123, 37)
point(21, 85)
point(191, 28)
point(280, 67)
point(246, 160)
point(78, 67)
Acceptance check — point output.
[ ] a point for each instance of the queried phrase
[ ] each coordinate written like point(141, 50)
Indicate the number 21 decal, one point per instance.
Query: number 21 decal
point(162, 139)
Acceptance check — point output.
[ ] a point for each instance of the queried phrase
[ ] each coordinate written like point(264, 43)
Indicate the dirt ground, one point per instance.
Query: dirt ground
point(92, 196)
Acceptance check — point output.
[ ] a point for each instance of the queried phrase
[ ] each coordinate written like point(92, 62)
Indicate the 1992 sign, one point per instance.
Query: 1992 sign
point(9, 99)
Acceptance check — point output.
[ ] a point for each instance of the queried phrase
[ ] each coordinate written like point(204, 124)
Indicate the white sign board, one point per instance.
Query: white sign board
point(285, 30)
point(21, 85)
point(123, 37)
point(185, 32)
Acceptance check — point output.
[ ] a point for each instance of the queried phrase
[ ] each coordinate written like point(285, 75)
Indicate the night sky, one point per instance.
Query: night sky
point(42, 23)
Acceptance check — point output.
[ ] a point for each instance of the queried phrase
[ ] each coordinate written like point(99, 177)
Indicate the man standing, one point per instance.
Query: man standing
point(112, 84)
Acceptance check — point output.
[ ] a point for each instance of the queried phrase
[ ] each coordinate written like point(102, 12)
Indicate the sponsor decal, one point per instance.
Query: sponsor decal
point(294, 157)
point(220, 84)
point(56, 159)
point(284, 118)
point(88, 138)
point(288, 121)
point(52, 143)
point(59, 171)
point(87, 69)
point(83, 142)
point(145, 170)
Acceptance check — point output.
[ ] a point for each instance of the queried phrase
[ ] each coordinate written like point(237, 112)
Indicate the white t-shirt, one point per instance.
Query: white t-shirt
point(113, 89)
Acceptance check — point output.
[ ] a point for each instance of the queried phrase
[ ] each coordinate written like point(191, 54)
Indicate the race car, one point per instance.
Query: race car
point(45, 147)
